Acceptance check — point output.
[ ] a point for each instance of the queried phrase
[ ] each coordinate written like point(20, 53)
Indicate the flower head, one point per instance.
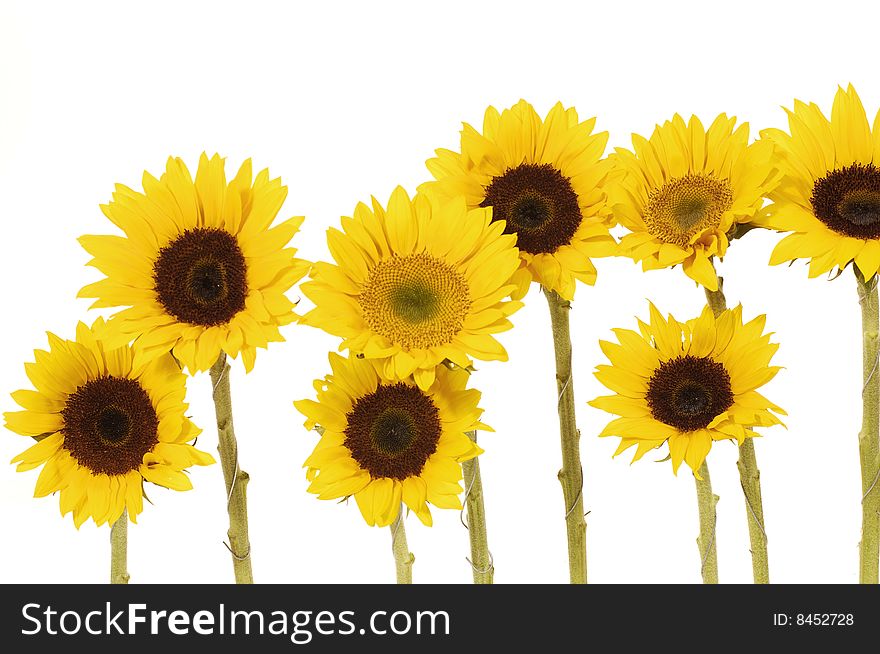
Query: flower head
point(829, 197)
point(414, 284)
point(542, 178)
point(199, 267)
point(687, 384)
point(682, 192)
point(387, 442)
point(104, 425)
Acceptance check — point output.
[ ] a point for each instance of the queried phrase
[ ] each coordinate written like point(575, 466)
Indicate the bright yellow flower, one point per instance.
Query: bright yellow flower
point(544, 179)
point(682, 192)
point(688, 384)
point(199, 266)
point(104, 425)
point(415, 284)
point(387, 442)
point(830, 194)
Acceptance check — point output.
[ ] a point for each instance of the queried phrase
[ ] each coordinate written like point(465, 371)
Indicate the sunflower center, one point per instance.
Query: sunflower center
point(538, 204)
point(847, 200)
point(207, 282)
point(113, 424)
point(685, 206)
point(692, 399)
point(689, 392)
point(109, 424)
point(393, 431)
point(415, 301)
point(530, 212)
point(201, 277)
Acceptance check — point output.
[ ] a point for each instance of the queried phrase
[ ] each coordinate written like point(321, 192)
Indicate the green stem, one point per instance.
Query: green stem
point(481, 558)
point(750, 480)
point(706, 501)
point(749, 476)
point(869, 436)
point(571, 474)
point(403, 558)
point(715, 299)
point(119, 550)
point(236, 479)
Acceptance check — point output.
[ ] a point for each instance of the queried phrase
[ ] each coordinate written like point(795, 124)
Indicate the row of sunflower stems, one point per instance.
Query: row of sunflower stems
point(418, 290)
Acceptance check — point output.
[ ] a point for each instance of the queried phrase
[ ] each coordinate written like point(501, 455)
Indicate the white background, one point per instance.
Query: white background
point(345, 100)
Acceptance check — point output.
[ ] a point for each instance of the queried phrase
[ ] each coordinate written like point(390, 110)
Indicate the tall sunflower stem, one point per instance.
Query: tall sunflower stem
point(750, 480)
point(869, 436)
point(749, 476)
point(403, 558)
point(706, 542)
point(571, 475)
point(481, 557)
point(236, 479)
point(119, 550)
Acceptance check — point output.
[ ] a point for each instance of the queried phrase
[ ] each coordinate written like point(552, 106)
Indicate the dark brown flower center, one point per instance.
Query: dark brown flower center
point(393, 431)
point(689, 392)
point(847, 200)
point(201, 277)
point(538, 204)
point(109, 424)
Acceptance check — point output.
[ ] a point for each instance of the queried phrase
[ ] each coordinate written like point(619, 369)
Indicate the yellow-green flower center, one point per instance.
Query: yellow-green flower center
point(685, 206)
point(415, 301)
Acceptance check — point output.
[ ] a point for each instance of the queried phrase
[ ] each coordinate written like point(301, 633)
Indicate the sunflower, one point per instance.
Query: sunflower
point(390, 441)
point(682, 192)
point(104, 425)
point(830, 192)
point(199, 267)
point(416, 284)
point(688, 384)
point(544, 179)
